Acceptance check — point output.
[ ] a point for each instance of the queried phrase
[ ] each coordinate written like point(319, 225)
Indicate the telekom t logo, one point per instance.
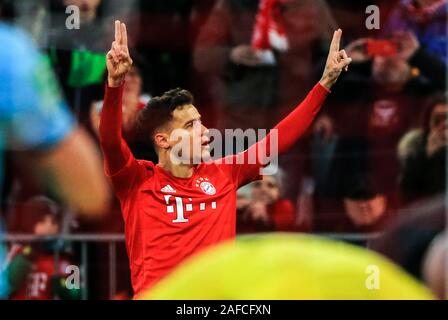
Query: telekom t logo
point(179, 204)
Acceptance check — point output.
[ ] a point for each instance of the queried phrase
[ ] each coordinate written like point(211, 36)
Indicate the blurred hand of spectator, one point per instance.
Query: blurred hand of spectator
point(245, 55)
point(357, 50)
point(258, 211)
point(407, 44)
point(265, 209)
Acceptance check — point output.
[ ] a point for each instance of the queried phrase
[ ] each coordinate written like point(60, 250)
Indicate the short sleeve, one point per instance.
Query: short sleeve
point(33, 113)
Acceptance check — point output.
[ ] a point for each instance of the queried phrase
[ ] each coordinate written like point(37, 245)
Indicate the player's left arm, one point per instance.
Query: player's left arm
point(293, 126)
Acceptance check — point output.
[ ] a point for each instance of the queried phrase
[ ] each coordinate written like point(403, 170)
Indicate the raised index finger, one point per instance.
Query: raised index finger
point(334, 47)
point(117, 32)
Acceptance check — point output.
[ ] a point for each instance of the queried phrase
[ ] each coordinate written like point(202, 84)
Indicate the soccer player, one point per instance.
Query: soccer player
point(173, 210)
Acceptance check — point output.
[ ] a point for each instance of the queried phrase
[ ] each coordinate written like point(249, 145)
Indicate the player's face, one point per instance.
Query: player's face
point(187, 122)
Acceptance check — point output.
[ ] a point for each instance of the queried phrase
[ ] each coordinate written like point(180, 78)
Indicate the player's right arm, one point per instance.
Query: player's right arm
point(120, 164)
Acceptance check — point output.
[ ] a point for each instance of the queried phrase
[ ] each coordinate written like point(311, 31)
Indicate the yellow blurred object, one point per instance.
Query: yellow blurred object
point(286, 266)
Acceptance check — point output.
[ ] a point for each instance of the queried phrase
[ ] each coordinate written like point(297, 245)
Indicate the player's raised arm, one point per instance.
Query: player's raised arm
point(291, 128)
point(115, 150)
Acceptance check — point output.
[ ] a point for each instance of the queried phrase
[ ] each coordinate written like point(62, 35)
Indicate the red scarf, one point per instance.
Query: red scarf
point(269, 32)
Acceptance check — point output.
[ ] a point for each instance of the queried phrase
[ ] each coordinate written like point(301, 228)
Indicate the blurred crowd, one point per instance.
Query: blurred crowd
point(374, 160)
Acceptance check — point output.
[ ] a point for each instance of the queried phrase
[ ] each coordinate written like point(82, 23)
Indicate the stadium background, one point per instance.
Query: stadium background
point(370, 171)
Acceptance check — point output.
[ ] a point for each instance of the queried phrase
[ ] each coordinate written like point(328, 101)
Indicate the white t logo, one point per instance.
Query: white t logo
point(179, 208)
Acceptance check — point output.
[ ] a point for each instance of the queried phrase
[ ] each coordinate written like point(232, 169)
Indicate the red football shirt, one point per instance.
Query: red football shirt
point(167, 218)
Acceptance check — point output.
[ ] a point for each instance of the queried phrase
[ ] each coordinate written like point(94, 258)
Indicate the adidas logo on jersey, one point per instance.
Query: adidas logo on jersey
point(168, 188)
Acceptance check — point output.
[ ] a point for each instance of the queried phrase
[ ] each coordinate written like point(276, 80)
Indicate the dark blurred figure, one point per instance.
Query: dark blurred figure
point(422, 152)
point(412, 242)
point(166, 43)
point(265, 209)
point(337, 193)
point(37, 270)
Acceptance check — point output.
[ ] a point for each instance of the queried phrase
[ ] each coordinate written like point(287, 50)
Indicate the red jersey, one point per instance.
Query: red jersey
point(37, 285)
point(167, 218)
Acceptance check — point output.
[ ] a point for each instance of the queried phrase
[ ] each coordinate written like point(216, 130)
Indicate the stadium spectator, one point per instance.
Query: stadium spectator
point(422, 152)
point(265, 210)
point(231, 71)
point(380, 98)
point(337, 193)
point(34, 271)
point(391, 85)
point(78, 54)
point(427, 19)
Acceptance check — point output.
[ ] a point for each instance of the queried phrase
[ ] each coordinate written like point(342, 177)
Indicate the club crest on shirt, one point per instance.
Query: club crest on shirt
point(206, 186)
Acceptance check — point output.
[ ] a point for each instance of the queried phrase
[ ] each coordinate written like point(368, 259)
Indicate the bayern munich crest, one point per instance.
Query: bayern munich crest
point(206, 186)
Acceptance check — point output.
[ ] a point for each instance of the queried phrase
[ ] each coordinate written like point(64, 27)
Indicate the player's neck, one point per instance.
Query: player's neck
point(176, 170)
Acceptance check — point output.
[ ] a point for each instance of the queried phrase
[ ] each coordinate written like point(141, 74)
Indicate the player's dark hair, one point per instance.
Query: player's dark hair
point(159, 111)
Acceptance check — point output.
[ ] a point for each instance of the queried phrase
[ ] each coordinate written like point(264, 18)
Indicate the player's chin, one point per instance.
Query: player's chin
point(205, 153)
point(202, 156)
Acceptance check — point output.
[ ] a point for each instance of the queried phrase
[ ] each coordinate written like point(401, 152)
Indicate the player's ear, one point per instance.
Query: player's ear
point(161, 140)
